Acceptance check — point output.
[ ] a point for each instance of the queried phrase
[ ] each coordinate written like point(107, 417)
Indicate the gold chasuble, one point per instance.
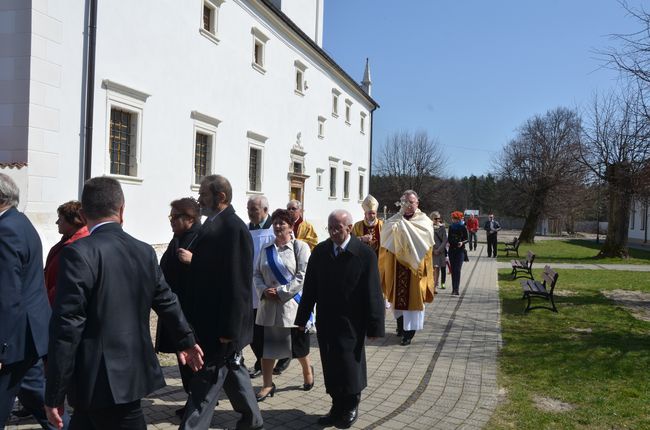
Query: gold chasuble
point(304, 231)
point(405, 264)
point(361, 228)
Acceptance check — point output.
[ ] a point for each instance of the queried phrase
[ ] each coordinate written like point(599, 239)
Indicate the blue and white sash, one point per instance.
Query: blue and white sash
point(284, 276)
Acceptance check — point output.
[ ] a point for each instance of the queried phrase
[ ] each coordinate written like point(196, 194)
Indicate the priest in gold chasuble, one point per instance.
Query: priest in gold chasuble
point(368, 230)
point(405, 265)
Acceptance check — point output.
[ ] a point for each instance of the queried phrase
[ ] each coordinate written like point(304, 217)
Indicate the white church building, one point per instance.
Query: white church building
point(159, 93)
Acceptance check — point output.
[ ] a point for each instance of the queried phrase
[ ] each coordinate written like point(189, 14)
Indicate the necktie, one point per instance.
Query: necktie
point(339, 250)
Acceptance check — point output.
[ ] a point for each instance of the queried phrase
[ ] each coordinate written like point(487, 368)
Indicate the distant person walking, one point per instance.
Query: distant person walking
point(439, 248)
point(472, 230)
point(491, 228)
point(457, 237)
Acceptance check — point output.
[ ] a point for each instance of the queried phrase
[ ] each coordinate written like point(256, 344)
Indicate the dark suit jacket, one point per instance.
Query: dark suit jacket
point(220, 302)
point(100, 350)
point(267, 224)
point(24, 309)
point(349, 306)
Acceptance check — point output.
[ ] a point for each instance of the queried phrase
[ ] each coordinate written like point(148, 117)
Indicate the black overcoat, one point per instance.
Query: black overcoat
point(349, 307)
point(100, 351)
point(177, 275)
point(219, 300)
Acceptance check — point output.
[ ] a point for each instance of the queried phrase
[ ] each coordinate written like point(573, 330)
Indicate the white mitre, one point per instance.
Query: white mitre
point(370, 204)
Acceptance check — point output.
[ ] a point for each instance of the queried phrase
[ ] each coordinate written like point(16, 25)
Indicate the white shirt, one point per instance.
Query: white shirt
point(99, 225)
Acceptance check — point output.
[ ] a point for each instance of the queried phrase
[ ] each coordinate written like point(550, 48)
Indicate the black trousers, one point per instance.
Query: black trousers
point(127, 416)
point(342, 403)
point(205, 387)
point(456, 258)
point(492, 245)
point(257, 344)
point(25, 380)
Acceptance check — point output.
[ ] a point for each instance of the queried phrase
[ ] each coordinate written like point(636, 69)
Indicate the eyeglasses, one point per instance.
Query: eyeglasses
point(175, 217)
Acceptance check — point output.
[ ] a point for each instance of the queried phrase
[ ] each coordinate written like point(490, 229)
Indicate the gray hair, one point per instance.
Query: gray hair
point(407, 193)
point(342, 213)
point(295, 202)
point(9, 192)
point(218, 184)
point(433, 215)
point(260, 200)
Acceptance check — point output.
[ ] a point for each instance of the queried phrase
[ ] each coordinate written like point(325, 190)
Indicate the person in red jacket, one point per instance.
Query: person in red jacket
point(72, 226)
point(472, 229)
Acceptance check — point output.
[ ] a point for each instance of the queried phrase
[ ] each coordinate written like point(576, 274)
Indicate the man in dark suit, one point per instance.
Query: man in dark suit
point(262, 234)
point(221, 309)
point(491, 228)
point(100, 352)
point(24, 310)
point(343, 282)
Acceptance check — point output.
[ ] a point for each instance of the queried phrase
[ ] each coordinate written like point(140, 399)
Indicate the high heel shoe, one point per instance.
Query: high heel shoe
point(271, 393)
point(309, 386)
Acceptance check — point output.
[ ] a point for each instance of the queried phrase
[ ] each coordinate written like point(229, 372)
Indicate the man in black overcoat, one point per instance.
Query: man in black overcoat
point(24, 309)
point(342, 280)
point(220, 309)
point(100, 350)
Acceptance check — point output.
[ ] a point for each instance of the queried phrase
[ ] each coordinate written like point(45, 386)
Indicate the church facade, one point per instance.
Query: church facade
point(159, 93)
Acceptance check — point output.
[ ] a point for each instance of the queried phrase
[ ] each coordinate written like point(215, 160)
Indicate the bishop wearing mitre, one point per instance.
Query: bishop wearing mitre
point(368, 229)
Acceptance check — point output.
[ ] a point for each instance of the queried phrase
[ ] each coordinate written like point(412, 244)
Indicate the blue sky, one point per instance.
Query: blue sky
point(470, 72)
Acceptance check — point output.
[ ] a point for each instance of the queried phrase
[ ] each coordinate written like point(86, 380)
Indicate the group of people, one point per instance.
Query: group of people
point(79, 329)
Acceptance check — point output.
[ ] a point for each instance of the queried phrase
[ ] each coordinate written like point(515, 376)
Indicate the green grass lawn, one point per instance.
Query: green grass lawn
point(578, 251)
point(603, 372)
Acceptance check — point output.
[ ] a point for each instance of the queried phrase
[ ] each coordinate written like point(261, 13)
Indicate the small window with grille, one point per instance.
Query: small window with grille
point(123, 142)
point(202, 156)
point(332, 181)
point(255, 169)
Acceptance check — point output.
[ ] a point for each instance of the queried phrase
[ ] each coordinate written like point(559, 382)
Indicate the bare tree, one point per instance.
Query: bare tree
point(616, 145)
point(408, 160)
point(539, 160)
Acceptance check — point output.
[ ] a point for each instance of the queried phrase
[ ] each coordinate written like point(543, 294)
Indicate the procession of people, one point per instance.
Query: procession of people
point(80, 333)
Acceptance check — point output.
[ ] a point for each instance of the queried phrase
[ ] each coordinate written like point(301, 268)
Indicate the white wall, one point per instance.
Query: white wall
point(155, 47)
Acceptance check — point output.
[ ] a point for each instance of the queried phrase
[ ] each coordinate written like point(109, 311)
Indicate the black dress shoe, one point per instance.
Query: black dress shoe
point(180, 412)
point(347, 419)
point(269, 394)
point(309, 386)
point(281, 366)
point(405, 342)
point(329, 419)
point(254, 373)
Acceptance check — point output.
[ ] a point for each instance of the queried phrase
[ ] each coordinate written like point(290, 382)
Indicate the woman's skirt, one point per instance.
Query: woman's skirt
point(284, 342)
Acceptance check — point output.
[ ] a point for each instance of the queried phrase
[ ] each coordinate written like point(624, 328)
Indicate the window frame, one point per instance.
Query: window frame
point(257, 142)
point(321, 127)
point(333, 165)
point(259, 39)
point(128, 99)
point(348, 111)
point(319, 178)
point(211, 34)
point(300, 85)
point(361, 184)
point(362, 124)
point(335, 102)
point(204, 124)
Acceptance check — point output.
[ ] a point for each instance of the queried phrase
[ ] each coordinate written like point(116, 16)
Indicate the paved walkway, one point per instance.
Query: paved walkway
point(446, 379)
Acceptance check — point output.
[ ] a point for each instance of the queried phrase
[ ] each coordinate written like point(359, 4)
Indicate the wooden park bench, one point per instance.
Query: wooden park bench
point(542, 290)
point(521, 268)
point(512, 247)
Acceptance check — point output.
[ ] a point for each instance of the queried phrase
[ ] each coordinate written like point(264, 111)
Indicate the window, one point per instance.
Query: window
point(332, 181)
point(205, 134)
point(255, 161)
point(297, 167)
point(321, 127)
point(202, 156)
point(335, 102)
point(259, 50)
point(361, 193)
point(122, 146)
point(362, 183)
point(319, 179)
point(346, 185)
point(348, 109)
point(301, 84)
point(125, 106)
point(362, 124)
point(209, 19)
point(255, 169)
